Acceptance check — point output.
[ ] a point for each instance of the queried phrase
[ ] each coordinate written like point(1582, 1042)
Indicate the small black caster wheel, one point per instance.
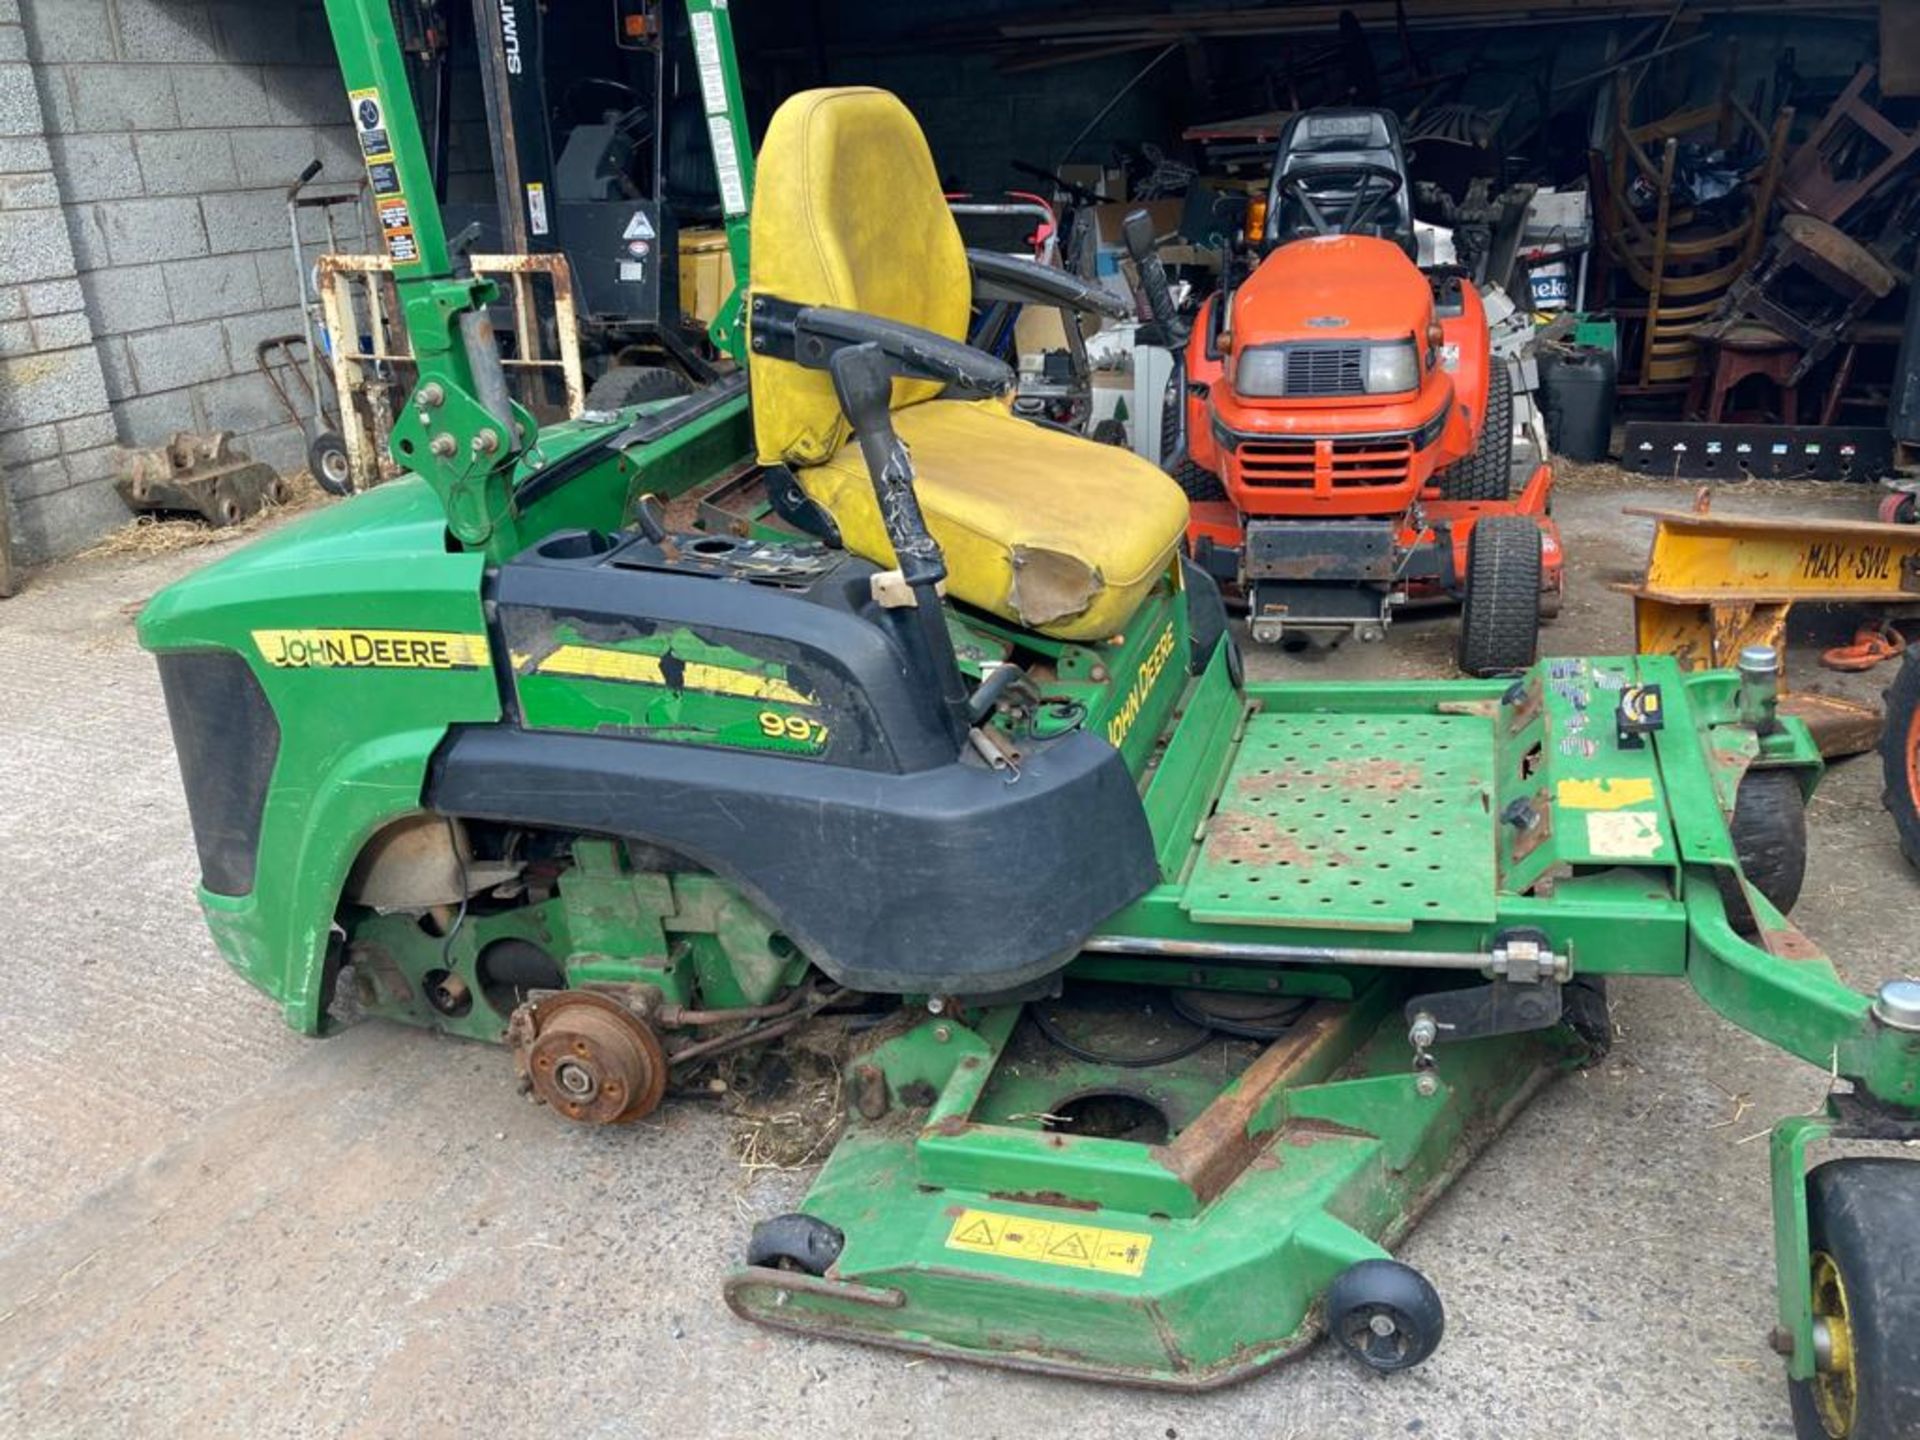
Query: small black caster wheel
point(795, 1242)
point(1387, 1315)
point(327, 462)
point(1866, 1308)
point(1586, 1011)
point(1769, 830)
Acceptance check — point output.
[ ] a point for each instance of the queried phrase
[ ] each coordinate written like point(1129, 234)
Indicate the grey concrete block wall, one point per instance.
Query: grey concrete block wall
point(145, 151)
point(55, 423)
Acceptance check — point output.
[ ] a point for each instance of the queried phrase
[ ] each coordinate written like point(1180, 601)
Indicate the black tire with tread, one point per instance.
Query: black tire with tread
point(1769, 829)
point(1487, 474)
point(1500, 618)
point(1860, 1212)
point(1900, 767)
point(1198, 482)
point(625, 385)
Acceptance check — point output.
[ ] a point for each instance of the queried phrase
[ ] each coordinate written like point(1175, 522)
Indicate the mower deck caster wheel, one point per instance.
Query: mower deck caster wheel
point(1769, 830)
point(1866, 1310)
point(1385, 1314)
point(1587, 1012)
point(795, 1242)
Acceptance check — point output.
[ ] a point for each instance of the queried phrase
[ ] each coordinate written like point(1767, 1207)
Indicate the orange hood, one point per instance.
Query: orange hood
point(1332, 288)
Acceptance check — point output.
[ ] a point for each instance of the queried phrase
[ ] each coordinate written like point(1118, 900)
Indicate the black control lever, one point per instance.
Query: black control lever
point(863, 381)
point(1137, 230)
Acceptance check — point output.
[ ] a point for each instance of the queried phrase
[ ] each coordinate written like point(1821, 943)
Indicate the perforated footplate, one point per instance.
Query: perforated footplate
point(1368, 822)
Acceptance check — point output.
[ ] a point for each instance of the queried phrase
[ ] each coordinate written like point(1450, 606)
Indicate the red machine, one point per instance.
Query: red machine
point(1342, 426)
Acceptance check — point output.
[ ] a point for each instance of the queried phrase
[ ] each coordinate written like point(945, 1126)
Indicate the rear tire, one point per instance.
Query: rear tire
point(1866, 1249)
point(1487, 474)
point(1769, 829)
point(1900, 756)
point(1500, 618)
point(1200, 484)
point(625, 385)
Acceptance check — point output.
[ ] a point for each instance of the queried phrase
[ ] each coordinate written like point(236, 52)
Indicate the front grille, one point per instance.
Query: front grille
point(1325, 370)
point(1344, 464)
point(227, 740)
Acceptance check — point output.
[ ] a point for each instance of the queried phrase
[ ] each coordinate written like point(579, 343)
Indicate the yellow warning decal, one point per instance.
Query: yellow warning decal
point(590, 662)
point(372, 649)
point(1051, 1242)
point(1613, 793)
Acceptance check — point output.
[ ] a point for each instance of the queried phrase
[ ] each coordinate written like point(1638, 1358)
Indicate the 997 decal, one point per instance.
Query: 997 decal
point(792, 732)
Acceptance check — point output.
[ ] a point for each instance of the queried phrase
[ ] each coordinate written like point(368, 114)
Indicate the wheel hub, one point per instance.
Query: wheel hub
point(1835, 1386)
point(589, 1058)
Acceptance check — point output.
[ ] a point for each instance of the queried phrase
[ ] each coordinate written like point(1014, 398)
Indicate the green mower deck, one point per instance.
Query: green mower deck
point(977, 1232)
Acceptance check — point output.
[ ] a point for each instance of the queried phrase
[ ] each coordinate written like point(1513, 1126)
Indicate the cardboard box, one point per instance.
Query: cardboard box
point(706, 273)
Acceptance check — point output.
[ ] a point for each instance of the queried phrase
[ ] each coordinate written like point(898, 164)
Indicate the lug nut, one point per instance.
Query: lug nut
point(1423, 1032)
point(1427, 1083)
point(443, 445)
point(431, 394)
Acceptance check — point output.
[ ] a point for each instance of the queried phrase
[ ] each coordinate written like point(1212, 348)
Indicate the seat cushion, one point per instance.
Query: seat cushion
point(1039, 527)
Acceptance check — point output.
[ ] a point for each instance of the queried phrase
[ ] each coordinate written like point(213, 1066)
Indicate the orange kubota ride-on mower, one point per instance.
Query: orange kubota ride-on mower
point(1341, 423)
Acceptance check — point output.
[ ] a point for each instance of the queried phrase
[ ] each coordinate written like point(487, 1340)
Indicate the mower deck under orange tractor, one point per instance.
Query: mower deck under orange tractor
point(1344, 428)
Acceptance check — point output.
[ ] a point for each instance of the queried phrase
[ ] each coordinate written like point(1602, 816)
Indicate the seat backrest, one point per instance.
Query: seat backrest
point(1328, 139)
point(848, 212)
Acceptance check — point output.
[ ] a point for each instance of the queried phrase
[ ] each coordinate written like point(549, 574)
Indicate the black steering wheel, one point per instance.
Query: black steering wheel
point(573, 107)
point(1373, 186)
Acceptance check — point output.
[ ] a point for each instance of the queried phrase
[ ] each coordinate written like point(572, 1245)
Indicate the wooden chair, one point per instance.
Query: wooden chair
point(1844, 141)
point(1742, 352)
point(1672, 272)
point(1851, 277)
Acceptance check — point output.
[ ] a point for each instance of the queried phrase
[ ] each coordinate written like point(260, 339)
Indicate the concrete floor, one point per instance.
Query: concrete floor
point(209, 1226)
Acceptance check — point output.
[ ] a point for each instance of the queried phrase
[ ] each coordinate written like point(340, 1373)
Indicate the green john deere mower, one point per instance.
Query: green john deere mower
point(846, 698)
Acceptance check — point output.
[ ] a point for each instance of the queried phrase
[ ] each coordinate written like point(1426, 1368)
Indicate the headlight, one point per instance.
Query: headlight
point(1377, 367)
point(1260, 371)
point(1392, 368)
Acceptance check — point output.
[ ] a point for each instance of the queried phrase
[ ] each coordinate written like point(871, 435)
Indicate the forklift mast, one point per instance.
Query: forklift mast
point(460, 429)
point(589, 130)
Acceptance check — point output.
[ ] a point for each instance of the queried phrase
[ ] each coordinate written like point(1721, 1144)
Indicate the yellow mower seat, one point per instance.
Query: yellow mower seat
point(1042, 528)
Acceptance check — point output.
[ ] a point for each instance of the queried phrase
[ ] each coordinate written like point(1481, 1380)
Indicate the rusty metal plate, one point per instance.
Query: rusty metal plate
point(1370, 822)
